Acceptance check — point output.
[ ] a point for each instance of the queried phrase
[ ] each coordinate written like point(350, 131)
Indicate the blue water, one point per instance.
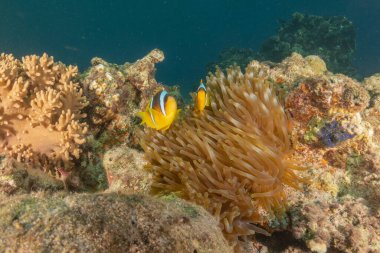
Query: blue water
point(191, 33)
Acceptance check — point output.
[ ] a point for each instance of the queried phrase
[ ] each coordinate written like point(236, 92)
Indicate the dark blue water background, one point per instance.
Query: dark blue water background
point(191, 33)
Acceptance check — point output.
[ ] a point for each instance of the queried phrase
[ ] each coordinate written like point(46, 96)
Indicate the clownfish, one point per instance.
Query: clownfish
point(202, 99)
point(160, 112)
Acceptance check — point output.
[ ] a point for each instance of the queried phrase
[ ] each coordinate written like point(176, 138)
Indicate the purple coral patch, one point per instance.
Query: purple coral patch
point(333, 133)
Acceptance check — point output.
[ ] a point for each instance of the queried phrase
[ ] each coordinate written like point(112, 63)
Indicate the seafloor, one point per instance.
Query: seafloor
point(285, 159)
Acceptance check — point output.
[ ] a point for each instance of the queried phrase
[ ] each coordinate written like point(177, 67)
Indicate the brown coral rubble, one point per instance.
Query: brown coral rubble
point(40, 110)
point(234, 158)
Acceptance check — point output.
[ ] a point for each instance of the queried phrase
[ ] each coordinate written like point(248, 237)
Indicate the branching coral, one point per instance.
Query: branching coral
point(233, 158)
point(40, 111)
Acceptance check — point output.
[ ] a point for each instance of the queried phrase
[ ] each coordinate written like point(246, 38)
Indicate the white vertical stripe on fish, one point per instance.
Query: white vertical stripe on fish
point(162, 101)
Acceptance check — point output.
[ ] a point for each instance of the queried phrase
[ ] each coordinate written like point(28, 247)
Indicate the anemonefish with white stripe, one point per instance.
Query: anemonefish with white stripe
point(202, 99)
point(160, 112)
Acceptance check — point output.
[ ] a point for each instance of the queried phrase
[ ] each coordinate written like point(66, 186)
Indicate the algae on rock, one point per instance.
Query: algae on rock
point(106, 223)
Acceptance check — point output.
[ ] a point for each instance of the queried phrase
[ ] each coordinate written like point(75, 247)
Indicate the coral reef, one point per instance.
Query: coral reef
point(106, 223)
point(232, 158)
point(41, 101)
point(347, 225)
point(372, 114)
point(236, 159)
point(332, 137)
point(334, 129)
point(331, 38)
point(116, 92)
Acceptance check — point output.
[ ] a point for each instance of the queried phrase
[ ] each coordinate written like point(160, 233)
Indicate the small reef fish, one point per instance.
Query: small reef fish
point(202, 99)
point(160, 112)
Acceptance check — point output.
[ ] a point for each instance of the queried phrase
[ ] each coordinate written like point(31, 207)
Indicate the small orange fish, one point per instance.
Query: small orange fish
point(160, 112)
point(202, 99)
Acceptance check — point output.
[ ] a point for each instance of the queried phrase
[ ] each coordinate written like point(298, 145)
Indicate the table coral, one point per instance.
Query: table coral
point(41, 111)
point(233, 158)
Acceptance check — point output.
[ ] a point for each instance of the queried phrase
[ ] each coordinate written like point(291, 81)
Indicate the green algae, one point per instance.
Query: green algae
point(313, 128)
point(191, 211)
point(170, 197)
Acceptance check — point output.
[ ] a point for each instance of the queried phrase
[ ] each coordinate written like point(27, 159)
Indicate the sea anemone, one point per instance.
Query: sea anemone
point(233, 158)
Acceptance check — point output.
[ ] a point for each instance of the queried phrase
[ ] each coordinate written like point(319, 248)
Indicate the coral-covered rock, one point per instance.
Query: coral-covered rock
point(117, 92)
point(17, 178)
point(372, 84)
point(347, 225)
point(141, 73)
point(41, 112)
point(372, 114)
point(106, 223)
point(125, 170)
point(325, 95)
point(296, 68)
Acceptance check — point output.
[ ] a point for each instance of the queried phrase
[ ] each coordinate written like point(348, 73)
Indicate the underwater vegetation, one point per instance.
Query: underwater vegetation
point(232, 158)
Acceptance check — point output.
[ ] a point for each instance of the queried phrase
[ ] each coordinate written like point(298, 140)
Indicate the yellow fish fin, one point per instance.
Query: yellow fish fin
point(142, 116)
point(177, 114)
point(208, 100)
point(165, 128)
point(157, 118)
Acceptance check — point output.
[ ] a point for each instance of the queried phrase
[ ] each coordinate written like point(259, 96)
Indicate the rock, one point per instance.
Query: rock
point(125, 170)
point(106, 223)
point(17, 178)
point(347, 225)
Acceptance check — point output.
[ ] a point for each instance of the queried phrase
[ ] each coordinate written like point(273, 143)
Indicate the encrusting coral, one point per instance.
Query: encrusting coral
point(233, 158)
point(41, 111)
